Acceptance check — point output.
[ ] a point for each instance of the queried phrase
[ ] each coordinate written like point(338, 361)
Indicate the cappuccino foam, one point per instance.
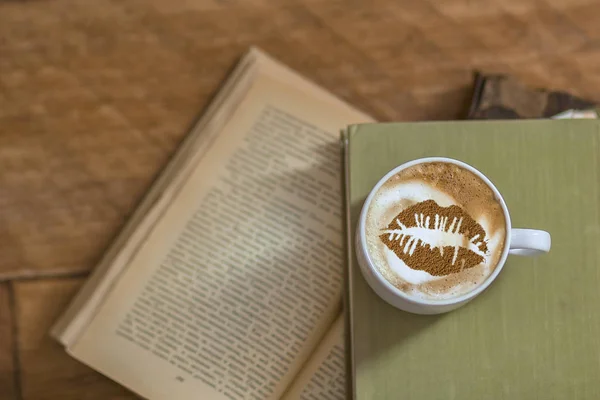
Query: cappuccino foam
point(435, 230)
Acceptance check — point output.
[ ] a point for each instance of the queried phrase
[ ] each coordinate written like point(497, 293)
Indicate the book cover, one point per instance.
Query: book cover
point(505, 97)
point(535, 333)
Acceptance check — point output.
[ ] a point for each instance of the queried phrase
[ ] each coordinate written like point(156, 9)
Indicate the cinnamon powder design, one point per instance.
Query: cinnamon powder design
point(461, 242)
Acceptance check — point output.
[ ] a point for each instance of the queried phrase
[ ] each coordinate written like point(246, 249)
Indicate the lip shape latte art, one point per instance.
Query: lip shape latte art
point(437, 240)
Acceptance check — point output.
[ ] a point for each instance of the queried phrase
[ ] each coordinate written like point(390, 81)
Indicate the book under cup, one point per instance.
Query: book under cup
point(535, 331)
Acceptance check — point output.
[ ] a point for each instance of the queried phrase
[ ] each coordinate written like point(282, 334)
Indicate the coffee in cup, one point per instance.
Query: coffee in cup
point(435, 230)
point(434, 233)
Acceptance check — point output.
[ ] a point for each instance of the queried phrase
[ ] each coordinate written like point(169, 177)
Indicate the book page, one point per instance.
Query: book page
point(324, 375)
point(239, 280)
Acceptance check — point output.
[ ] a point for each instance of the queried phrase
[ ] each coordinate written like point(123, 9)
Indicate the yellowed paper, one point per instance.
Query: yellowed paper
point(324, 375)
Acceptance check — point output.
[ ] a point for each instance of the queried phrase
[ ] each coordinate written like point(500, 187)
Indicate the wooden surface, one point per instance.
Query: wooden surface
point(95, 96)
point(8, 384)
point(46, 372)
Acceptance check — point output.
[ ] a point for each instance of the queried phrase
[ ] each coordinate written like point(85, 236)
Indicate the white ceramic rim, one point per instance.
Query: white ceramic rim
point(465, 297)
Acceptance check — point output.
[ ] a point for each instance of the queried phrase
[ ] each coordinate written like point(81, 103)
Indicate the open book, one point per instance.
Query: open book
point(226, 282)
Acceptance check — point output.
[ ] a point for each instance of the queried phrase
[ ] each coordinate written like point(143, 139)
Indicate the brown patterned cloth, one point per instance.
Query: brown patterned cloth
point(503, 97)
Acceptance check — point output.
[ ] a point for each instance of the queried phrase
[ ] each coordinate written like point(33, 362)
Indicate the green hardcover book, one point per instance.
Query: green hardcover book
point(535, 332)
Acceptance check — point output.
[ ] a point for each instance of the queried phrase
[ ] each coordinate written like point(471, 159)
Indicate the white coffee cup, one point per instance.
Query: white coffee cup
point(525, 242)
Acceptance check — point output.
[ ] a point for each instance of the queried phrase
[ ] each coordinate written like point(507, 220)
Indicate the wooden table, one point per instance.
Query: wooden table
point(95, 96)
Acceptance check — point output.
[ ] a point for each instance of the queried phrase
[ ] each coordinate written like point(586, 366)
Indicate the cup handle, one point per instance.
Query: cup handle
point(529, 242)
